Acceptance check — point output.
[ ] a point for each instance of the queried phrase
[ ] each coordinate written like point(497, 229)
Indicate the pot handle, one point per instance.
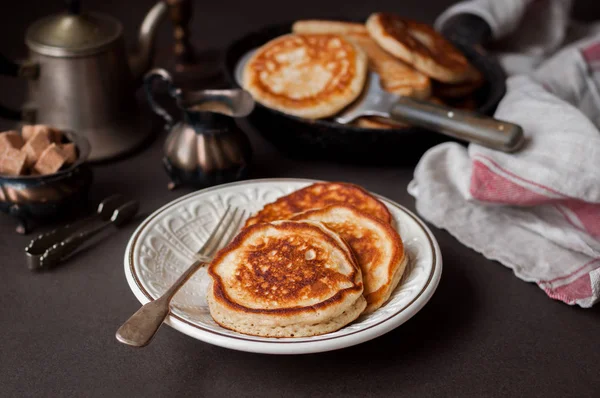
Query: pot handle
point(175, 92)
point(11, 68)
point(467, 29)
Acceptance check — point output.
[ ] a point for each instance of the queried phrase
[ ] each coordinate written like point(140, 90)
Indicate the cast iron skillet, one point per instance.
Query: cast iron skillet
point(325, 139)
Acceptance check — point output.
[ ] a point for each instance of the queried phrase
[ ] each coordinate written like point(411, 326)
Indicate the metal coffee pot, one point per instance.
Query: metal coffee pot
point(81, 79)
point(206, 147)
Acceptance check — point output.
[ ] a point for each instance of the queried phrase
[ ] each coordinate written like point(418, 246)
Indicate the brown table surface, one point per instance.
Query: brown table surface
point(484, 332)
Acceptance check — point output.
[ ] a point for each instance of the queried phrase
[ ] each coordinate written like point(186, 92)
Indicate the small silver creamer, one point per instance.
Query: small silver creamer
point(206, 147)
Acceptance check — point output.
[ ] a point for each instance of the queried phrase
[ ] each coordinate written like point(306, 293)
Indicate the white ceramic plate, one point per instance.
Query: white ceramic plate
point(162, 247)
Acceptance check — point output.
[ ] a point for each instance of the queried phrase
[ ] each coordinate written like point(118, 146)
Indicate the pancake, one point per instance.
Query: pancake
point(310, 76)
point(376, 245)
point(377, 122)
point(319, 27)
point(320, 195)
point(459, 90)
point(285, 279)
point(396, 76)
point(419, 45)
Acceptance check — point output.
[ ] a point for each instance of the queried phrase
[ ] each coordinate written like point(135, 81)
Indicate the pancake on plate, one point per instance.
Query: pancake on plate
point(396, 76)
point(320, 195)
point(286, 279)
point(311, 76)
point(419, 45)
point(376, 245)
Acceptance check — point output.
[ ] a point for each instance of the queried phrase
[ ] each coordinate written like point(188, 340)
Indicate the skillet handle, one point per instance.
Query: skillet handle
point(483, 130)
point(467, 29)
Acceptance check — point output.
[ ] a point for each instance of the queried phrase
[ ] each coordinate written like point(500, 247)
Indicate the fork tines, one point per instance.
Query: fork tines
point(225, 230)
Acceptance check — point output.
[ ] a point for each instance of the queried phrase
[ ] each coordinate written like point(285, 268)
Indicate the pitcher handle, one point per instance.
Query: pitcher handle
point(175, 92)
point(11, 68)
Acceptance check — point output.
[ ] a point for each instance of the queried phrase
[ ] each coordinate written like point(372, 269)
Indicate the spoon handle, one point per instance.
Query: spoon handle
point(492, 133)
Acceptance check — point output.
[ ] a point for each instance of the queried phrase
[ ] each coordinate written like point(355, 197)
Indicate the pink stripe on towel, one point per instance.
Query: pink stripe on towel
point(579, 289)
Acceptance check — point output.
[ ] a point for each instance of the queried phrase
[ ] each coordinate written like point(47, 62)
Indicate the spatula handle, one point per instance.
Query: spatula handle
point(483, 130)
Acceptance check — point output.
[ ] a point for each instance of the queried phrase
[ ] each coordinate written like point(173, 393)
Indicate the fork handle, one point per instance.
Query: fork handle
point(142, 326)
point(492, 133)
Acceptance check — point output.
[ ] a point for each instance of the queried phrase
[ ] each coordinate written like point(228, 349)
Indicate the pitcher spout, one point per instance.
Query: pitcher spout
point(141, 60)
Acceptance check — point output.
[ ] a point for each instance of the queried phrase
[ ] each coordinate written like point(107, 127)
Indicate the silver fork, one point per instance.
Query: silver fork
point(142, 326)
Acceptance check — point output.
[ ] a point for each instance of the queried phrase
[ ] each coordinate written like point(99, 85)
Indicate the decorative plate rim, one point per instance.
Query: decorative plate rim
point(320, 344)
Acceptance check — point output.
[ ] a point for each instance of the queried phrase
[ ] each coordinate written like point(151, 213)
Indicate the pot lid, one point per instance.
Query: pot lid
point(72, 33)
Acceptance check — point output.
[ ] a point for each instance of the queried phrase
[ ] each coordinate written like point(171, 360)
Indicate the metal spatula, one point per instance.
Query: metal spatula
point(468, 126)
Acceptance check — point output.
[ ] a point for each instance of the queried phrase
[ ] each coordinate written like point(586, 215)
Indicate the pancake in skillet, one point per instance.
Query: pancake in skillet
point(320, 195)
point(419, 45)
point(319, 27)
point(396, 76)
point(377, 122)
point(286, 279)
point(377, 246)
point(310, 76)
point(462, 89)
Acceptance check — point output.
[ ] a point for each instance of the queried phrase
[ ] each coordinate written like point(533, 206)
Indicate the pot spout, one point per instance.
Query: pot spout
point(140, 61)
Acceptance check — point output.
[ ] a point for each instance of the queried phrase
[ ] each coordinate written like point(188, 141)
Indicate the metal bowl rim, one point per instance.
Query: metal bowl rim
point(83, 146)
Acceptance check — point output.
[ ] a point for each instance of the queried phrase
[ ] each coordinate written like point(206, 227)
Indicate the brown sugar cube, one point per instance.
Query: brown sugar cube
point(69, 152)
point(10, 139)
point(34, 147)
point(29, 131)
point(50, 161)
point(12, 162)
point(55, 135)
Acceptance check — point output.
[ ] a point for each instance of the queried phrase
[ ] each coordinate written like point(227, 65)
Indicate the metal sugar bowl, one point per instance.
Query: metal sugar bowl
point(206, 147)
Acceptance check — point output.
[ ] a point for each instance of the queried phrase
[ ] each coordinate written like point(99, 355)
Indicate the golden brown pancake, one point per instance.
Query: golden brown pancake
point(377, 246)
point(459, 90)
point(320, 195)
point(377, 122)
point(286, 279)
point(311, 76)
point(419, 45)
point(396, 76)
point(319, 27)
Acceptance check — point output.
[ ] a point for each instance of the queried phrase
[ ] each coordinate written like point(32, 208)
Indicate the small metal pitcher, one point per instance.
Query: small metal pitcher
point(206, 147)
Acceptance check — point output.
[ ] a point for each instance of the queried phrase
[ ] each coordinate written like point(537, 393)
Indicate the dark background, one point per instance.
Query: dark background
point(484, 333)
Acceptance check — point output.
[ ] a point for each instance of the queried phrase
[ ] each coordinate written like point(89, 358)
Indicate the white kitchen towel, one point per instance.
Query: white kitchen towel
point(536, 211)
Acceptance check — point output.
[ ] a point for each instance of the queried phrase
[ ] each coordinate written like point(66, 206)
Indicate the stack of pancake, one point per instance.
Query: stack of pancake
point(320, 68)
point(307, 264)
